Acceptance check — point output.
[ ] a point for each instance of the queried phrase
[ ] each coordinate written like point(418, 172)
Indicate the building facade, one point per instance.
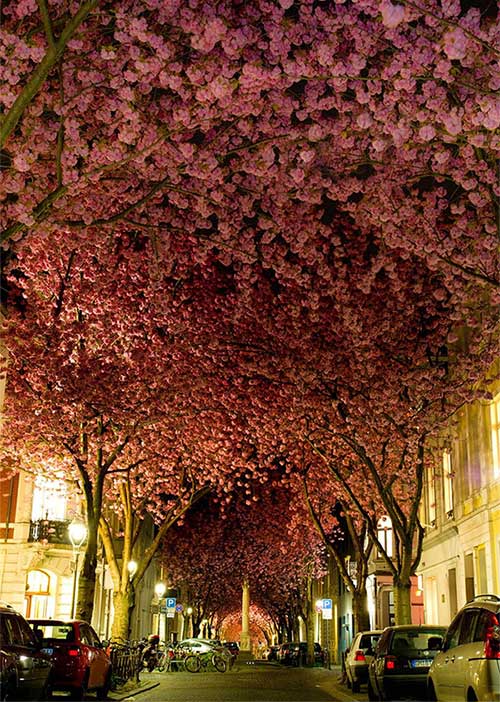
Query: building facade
point(461, 513)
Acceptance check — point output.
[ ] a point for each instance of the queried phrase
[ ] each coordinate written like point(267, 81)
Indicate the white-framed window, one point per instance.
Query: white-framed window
point(384, 534)
point(495, 435)
point(430, 493)
point(49, 499)
point(448, 477)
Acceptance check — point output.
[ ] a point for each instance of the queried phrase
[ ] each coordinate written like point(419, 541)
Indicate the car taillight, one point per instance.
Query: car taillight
point(492, 641)
point(73, 651)
point(359, 656)
point(390, 662)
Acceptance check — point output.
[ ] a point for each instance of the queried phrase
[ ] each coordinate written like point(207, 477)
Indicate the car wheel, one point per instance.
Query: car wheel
point(102, 692)
point(7, 689)
point(431, 692)
point(355, 685)
point(80, 692)
point(372, 696)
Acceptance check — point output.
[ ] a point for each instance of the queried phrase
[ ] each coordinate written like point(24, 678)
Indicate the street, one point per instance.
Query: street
point(256, 681)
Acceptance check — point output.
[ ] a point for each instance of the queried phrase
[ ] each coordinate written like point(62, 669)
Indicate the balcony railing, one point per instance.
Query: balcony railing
point(49, 531)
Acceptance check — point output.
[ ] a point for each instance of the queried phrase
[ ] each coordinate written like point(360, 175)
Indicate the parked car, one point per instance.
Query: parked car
point(233, 647)
point(468, 665)
point(401, 661)
point(272, 652)
point(358, 658)
point(79, 660)
point(298, 654)
point(199, 645)
point(24, 669)
point(284, 652)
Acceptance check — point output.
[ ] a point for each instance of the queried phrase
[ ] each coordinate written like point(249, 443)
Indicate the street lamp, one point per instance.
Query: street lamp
point(132, 568)
point(189, 612)
point(160, 590)
point(77, 532)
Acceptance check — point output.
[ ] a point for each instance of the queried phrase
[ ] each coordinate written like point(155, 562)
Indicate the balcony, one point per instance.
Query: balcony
point(49, 531)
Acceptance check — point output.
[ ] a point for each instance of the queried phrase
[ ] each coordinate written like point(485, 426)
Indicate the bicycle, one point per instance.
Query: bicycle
point(207, 660)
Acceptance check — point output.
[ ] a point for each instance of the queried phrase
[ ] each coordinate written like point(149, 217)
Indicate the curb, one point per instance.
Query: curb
point(132, 692)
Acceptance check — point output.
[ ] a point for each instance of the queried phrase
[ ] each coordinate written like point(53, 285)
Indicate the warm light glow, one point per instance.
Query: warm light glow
point(132, 568)
point(77, 531)
point(319, 604)
point(189, 611)
point(49, 499)
point(160, 589)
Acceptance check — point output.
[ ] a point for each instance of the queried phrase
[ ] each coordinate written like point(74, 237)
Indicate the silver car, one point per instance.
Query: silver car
point(468, 665)
point(358, 657)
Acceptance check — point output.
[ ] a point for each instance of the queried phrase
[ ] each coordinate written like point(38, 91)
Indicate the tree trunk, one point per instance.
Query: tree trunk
point(87, 576)
point(123, 602)
point(402, 600)
point(360, 610)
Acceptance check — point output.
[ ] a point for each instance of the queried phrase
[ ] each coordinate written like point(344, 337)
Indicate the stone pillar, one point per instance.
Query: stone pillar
point(245, 643)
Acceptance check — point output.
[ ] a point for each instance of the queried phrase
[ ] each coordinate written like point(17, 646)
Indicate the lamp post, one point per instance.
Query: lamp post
point(77, 532)
point(189, 612)
point(160, 589)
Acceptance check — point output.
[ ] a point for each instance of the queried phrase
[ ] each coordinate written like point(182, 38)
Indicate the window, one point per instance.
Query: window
point(49, 499)
point(482, 576)
point(448, 477)
point(469, 619)
point(470, 590)
point(384, 534)
point(495, 435)
point(37, 594)
point(451, 637)
point(431, 495)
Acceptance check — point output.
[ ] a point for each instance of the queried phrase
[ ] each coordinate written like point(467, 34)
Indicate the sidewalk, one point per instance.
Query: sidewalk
point(131, 689)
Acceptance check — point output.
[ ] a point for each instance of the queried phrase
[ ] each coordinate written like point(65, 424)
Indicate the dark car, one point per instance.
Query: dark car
point(272, 653)
point(232, 647)
point(284, 654)
point(358, 658)
point(298, 654)
point(402, 660)
point(24, 669)
point(79, 660)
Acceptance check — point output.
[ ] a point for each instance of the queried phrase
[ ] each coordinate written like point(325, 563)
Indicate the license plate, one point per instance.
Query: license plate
point(48, 651)
point(420, 664)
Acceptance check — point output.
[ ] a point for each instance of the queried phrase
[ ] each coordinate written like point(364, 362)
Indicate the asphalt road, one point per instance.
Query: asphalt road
point(249, 682)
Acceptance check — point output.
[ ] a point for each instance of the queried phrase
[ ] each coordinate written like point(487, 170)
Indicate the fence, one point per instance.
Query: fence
point(126, 665)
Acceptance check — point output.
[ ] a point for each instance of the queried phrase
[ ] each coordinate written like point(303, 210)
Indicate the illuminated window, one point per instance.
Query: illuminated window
point(431, 495)
point(448, 477)
point(495, 435)
point(49, 499)
point(384, 534)
point(37, 600)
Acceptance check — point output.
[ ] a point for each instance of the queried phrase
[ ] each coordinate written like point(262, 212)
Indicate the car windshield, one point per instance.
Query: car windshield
point(61, 632)
point(406, 642)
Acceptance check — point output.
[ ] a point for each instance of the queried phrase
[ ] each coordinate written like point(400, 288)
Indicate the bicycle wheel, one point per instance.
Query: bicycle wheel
point(162, 662)
point(219, 663)
point(192, 664)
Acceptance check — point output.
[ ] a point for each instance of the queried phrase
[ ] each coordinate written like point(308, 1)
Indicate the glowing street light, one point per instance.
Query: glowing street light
point(160, 590)
point(132, 568)
point(77, 532)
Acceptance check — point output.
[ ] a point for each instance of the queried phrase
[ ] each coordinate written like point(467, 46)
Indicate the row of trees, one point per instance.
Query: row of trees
point(245, 244)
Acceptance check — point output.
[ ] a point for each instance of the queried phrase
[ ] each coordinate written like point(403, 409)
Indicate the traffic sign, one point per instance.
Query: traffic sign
point(170, 602)
point(327, 608)
point(179, 608)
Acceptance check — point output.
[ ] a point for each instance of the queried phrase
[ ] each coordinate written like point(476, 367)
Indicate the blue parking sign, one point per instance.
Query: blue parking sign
point(170, 602)
point(327, 604)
